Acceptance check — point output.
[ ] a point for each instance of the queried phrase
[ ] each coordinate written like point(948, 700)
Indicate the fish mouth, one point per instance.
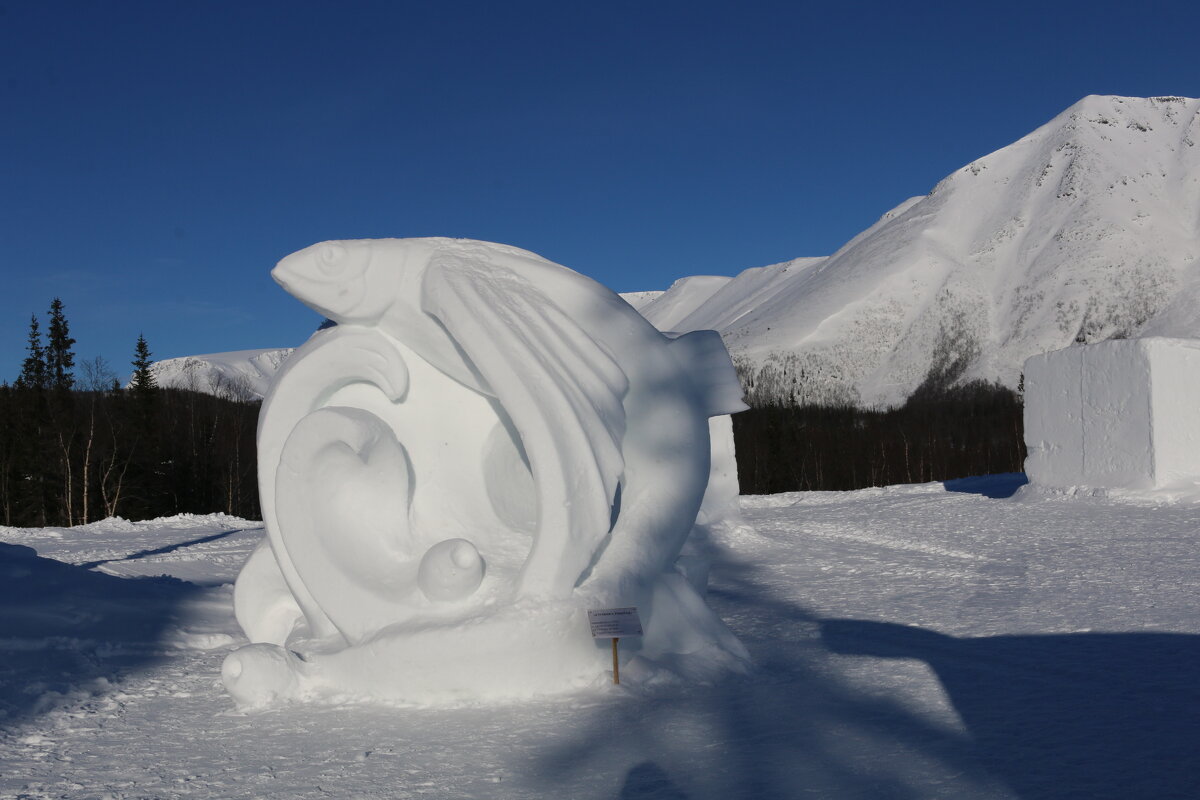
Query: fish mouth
point(278, 277)
point(332, 301)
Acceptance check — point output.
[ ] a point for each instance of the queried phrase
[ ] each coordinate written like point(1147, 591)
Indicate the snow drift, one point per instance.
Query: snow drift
point(484, 447)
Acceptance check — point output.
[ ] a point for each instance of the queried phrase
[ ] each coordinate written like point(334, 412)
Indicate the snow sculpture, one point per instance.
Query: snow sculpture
point(1114, 415)
point(485, 446)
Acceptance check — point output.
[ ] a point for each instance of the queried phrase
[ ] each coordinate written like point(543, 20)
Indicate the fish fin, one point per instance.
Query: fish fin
point(563, 392)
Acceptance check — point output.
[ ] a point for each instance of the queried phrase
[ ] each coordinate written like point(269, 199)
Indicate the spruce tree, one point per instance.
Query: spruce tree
point(143, 378)
point(33, 370)
point(59, 356)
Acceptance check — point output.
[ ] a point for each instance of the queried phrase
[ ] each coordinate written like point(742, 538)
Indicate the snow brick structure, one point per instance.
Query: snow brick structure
point(483, 448)
point(1120, 414)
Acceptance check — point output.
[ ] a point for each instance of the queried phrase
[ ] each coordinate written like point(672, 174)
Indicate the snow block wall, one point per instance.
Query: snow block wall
point(486, 446)
point(1120, 414)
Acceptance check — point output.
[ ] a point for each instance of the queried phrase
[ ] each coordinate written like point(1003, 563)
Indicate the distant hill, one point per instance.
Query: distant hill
point(236, 375)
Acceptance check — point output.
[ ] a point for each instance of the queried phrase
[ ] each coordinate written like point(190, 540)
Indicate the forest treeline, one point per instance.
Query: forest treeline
point(77, 449)
point(942, 432)
point(74, 449)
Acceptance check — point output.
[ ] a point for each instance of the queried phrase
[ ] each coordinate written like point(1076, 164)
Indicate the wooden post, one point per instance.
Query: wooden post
point(616, 669)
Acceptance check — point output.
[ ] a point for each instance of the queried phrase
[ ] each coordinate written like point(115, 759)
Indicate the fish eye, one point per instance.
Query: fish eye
point(331, 258)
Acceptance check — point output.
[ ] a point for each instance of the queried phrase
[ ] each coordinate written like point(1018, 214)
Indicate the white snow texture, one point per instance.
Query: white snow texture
point(484, 447)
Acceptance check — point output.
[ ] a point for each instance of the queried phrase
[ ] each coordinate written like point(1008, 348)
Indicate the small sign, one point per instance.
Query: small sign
point(613, 623)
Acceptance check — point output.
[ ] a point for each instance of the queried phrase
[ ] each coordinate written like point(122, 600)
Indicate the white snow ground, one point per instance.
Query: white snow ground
point(912, 641)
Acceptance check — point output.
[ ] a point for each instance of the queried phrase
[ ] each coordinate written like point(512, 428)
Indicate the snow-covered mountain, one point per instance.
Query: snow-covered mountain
point(1086, 229)
point(236, 375)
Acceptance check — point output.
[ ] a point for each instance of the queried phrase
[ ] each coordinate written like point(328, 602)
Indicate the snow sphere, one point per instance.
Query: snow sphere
point(450, 570)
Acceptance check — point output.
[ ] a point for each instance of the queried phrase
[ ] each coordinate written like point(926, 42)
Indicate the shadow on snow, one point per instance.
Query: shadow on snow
point(997, 487)
point(793, 728)
point(1086, 715)
point(64, 628)
point(170, 548)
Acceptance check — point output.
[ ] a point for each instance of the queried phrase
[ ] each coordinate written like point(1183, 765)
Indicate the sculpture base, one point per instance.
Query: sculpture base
point(524, 650)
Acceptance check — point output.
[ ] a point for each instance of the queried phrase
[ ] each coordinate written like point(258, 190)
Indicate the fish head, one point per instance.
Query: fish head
point(342, 280)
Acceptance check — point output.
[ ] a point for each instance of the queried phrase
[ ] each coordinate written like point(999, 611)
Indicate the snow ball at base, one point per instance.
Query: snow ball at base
point(450, 570)
point(260, 674)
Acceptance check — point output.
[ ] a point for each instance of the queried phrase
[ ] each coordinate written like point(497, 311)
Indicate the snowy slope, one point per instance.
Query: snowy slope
point(639, 299)
point(238, 375)
point(669, 309)
point(922, 641)
point(1086, 229)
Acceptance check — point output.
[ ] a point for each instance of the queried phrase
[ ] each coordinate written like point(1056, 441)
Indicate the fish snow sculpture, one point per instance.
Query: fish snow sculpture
point(485, 446)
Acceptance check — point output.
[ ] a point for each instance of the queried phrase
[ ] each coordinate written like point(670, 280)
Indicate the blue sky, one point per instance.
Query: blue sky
point(157, 158)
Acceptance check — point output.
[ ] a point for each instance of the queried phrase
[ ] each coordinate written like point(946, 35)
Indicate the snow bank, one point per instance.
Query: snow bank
point(1115, 415)
point(485, 446)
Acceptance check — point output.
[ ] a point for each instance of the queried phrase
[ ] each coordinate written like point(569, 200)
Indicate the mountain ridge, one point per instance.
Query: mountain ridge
point(1085, 229)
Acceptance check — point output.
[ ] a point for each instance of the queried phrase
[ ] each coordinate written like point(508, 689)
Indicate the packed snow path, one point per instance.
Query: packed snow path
point(912, 642)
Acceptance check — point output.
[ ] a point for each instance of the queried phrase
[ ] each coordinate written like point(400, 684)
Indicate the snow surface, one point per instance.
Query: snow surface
point(911, 641)
point(1115, 415)
point(1086, 229)
point(483, 448)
